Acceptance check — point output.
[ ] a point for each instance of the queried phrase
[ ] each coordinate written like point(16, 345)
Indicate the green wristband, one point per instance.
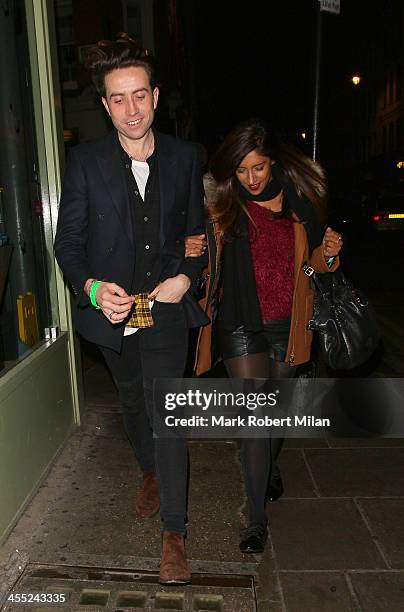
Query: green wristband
point(93, 291)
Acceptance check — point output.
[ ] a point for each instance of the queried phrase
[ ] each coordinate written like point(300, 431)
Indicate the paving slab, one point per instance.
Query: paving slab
point(379, 592)
point(386, 522)
point(305, 443)
point(269, 593)
point(93, 508)
point(216, 496)
point(91, 497)
point(322, 554)
point(321, 534)
point(295, 476)
point(365, 442)
point(94, 512)
point(319, 591)
point(358, 472)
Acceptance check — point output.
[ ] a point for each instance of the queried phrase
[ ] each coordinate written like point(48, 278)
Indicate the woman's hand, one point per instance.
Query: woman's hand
point(195, 246)
point(332, 243)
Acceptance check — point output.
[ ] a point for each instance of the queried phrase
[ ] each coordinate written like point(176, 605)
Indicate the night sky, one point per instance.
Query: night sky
point(259, 60)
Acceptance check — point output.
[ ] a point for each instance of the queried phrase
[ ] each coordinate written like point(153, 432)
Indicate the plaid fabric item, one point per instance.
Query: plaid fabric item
point(141, 315)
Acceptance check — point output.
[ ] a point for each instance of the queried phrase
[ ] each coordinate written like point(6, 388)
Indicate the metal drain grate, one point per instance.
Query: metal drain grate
point(75, 589)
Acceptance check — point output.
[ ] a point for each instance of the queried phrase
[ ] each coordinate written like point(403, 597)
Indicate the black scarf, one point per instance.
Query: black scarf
point(271, 190)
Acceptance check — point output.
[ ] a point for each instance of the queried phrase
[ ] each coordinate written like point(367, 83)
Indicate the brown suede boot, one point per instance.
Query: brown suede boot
point(148, 501)
point(173, 566)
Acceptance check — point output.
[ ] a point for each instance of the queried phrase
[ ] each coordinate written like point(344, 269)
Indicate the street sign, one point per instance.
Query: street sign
point(330, 6)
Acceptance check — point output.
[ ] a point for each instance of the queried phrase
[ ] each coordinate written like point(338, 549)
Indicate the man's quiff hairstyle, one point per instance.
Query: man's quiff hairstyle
point(124, 52)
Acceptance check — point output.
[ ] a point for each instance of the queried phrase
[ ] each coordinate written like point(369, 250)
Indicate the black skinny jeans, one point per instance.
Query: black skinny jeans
point(156, 352)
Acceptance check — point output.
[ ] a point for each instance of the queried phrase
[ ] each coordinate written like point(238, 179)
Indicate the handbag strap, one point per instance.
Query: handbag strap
point(337, 278)
point(311, 273)
point(319, 285)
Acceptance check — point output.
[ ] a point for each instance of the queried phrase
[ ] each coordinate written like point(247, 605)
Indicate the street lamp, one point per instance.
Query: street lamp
point(356, 132)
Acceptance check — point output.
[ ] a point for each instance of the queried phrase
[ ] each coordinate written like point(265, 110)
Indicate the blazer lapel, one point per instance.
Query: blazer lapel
point(167, 169)
point(113, 174)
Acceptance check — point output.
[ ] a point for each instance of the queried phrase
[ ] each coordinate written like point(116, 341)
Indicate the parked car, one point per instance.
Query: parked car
point(388, 213)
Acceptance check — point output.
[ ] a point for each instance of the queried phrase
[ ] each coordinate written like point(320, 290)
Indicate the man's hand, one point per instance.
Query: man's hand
point(332, 243)
point(114, 302)
point(195, 245)
point(171, 290)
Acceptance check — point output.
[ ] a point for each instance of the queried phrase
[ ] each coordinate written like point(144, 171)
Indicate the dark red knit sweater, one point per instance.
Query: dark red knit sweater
point(272, 248)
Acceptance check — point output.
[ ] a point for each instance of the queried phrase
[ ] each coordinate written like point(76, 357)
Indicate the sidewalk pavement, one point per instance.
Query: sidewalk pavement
point(336, 536)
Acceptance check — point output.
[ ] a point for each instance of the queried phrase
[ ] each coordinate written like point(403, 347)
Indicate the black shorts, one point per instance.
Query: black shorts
point(273, 340)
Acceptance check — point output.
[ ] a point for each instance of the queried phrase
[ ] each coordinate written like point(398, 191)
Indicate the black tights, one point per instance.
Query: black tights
point(258, 455)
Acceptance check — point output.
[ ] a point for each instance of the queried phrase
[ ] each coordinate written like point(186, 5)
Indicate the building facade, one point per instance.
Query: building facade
point(40, 375)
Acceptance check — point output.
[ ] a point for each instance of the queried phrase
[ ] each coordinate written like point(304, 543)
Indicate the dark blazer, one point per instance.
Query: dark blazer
point(95, 237)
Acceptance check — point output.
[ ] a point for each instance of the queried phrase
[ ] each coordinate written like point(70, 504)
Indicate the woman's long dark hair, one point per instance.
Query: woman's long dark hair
point(307, 176)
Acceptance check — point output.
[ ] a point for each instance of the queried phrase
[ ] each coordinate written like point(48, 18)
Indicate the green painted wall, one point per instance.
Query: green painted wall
point(36, 416)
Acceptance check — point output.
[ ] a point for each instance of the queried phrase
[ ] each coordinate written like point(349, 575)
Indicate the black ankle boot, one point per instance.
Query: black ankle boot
point(253, 539)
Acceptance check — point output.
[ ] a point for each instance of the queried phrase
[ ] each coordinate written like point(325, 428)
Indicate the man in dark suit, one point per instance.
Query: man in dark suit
point(128, 201)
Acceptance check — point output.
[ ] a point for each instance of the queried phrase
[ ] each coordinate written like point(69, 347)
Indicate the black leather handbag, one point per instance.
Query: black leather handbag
point(344, 320)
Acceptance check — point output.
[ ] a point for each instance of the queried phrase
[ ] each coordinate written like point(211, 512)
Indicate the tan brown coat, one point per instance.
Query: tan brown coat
point(300, 337)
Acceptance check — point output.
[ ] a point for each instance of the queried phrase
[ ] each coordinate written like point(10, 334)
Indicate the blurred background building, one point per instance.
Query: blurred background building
point(380, 103)
point(165, 28)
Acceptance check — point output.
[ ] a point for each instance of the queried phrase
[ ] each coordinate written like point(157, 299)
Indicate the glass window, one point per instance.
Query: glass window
point(391, 88)
point(26, 258)
point(132, 18)
point(391, 136)
point(384, 132)
point(66, 45)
